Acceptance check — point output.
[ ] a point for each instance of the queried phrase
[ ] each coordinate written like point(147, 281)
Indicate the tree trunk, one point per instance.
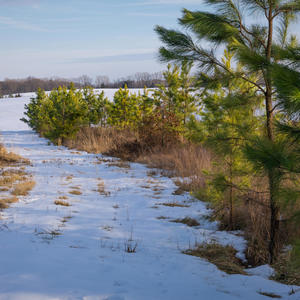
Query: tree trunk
point(274, 210)
point(231, 199)
point(274, 223)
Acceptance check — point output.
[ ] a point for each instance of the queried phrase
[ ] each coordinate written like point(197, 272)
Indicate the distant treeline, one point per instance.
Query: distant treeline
point(32, 84)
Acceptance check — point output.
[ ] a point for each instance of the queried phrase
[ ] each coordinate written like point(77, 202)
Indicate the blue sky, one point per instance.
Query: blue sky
point(68, 38)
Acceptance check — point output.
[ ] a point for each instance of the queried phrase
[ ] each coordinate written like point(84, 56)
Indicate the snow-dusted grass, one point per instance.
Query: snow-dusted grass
point(49, 251)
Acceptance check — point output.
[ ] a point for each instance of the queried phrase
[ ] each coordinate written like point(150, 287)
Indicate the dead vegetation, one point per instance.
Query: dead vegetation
point(66, 219)
point(75, 192)
point(270, 295)
point(190, 164)
point(179, 159)
point(5, 202)
point(14, 181)
point(162, 218)
point(224, 257)
point(187, 221)
point(106, 141)
point(286, 271)
point(23, 188)
point(101, 188)
point(48, 234)
point(62, 203)
point(10, 159)
point(173, 204)
point(119, 164)
point(130, 246)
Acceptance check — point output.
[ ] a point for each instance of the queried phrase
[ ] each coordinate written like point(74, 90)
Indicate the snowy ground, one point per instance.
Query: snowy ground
point(78, 252)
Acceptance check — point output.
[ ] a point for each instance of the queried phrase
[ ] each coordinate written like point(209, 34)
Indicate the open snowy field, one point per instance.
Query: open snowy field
point(78, 252)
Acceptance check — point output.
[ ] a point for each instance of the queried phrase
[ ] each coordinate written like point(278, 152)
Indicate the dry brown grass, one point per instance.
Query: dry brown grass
point(101, 189)
point(287, 271)
point(66, 219)
point(221, 256)
point(187, 221)
point(62, 203)
point(75, 187)
point(162, 218)
point(9, 158)
point(5, 202)
point(182, 160)
point(14, 181)
point(75, 192)
point(270, 295)
point(187, 162)
point(23, 188)
point(173, 204)
point(119, 164)
point(10, 176)
point(14, 172)
point(103, 140)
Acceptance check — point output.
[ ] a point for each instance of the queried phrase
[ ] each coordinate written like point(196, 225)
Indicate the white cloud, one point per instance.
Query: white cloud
point(141, 14)
point(159, 2)
point(33, 3)
point(19, 24)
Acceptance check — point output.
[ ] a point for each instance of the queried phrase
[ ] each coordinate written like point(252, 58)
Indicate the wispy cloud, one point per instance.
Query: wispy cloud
point(32, 3)
point(19, 24)
point(115, 58)
point(142, 14)
point(160, 2)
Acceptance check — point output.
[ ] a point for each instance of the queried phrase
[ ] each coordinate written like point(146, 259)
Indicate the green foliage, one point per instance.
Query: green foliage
point(227, 123)
point(32, 111)
point(176, 96)
point(266, 56)
point(63, 113)
point(126, 110)
point(60, 114)
point(97, 106)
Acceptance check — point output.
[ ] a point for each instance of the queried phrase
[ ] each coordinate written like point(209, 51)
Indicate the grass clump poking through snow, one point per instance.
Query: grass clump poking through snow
point(9, 158)
point(62, 203)
point(75, 192)
point(224, 257)
point(101, 189)
point(130, 246)
point(173, 204)
point(14, 181)
point(270, 295)
point(5, 202)
point(23, 188)
point(287, 271)
point(188, 221)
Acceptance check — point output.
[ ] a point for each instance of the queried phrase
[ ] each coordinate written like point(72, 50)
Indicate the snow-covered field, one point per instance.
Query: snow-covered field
point(78, 252)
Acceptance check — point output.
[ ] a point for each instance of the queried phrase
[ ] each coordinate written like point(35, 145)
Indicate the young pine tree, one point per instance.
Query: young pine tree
point(228, 122)
point(125, 111)
point(63, 113)
point(252, 44)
